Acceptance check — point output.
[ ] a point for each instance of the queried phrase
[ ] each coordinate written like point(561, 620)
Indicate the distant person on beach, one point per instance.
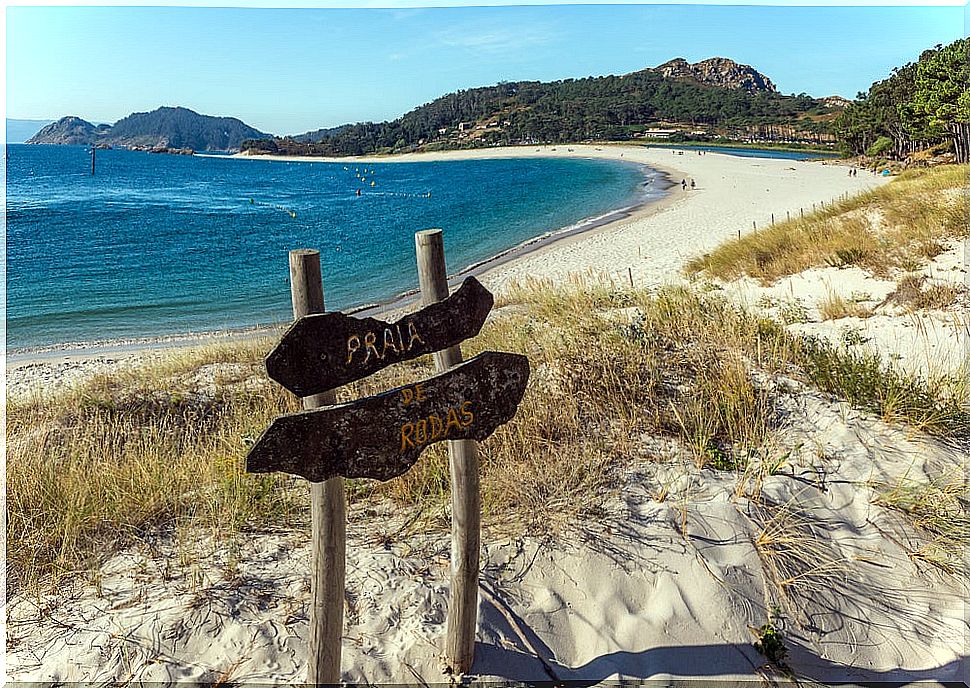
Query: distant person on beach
point(683, 184)
point(691, 184)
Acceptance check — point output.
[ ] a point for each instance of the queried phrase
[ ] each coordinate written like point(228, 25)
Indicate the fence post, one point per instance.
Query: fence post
point(463, 464)
point(327, 506)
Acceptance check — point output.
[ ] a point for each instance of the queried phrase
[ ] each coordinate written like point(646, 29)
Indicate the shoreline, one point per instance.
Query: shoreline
point(390, 307)
point(555, 253)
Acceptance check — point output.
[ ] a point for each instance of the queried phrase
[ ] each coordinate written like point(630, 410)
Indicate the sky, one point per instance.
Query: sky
point(287, 71)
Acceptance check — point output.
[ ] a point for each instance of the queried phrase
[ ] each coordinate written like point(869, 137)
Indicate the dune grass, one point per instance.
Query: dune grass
point(102, 465)
point(835, 306)
point(938, 509)
point(895, 227)
point(96, 467)
point(914, 294)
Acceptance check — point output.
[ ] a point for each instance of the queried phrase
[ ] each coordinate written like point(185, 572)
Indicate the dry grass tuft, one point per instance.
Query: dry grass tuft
point(796, 557)
point(834, 306)
point(938, 510)
point(913, 294)
point(895, 227)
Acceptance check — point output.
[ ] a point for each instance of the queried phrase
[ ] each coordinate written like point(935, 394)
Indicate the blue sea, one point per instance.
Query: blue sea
point(749, 152)
point(155, 245)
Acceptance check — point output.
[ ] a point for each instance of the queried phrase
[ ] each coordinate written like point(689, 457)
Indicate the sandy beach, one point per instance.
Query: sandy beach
point(669, 584)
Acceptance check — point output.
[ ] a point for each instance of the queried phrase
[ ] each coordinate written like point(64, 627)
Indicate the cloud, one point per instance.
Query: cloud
point(495, 39)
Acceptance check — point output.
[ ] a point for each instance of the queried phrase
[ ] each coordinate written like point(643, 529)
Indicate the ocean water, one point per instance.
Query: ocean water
point(156, 245)
point(749, 152)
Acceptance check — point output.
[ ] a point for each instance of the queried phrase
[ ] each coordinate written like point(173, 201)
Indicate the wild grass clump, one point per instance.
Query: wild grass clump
point(862, 378)
point(937, 509)
point(100, 464)
point(913, 294)
point(835, 306)
point(895, 227)
point(799, 563)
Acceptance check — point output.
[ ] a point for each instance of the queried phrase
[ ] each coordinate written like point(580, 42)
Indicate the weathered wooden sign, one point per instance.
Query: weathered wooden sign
point(382, 436)
point(327, 350)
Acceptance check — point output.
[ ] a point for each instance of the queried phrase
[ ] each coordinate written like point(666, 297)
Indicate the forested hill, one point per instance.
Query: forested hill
point(716, 96)
point(923, 105)
point(168, 127)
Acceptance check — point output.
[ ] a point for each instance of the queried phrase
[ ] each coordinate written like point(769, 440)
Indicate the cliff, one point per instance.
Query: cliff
point(718, 71)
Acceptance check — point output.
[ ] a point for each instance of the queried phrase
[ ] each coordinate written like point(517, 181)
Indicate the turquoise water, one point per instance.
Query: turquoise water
point(161, 244)
point(749, 152)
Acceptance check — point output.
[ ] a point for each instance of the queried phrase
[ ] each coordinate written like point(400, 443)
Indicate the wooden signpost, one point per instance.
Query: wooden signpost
point(382, 436)
point(321, 352)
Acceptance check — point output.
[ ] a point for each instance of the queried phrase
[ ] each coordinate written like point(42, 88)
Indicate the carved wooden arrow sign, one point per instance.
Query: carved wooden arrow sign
point(324, 351)
point(382, 436)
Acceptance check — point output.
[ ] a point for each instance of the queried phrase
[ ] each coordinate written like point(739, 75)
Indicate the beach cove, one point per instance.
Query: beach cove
point(649, 244)
point(646, 558)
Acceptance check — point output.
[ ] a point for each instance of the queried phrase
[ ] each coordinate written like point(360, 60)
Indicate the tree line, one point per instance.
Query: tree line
point(593, 108)
point(921, 105)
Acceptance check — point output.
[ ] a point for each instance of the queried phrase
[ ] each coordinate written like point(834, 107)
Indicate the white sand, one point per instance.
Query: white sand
point(666, 583)
point(929, 343)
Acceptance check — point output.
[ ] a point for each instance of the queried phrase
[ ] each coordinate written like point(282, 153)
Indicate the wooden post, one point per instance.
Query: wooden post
point(327, 507)
point(92, 158)
point(801, 212)
point(787, 216)
point(463, 463)
point(772, 218)
point(629, 272)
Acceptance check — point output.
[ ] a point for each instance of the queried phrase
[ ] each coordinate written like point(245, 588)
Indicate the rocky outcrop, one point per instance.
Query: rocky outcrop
point(178, 127)
point(836, 102)
point(170, 128)
point(70, 131)
point(718, 71)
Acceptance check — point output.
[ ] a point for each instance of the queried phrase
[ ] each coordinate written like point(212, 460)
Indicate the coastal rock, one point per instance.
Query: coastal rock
point(836, 102)
point(173, 129)
point(68, 131)
point(718, 71)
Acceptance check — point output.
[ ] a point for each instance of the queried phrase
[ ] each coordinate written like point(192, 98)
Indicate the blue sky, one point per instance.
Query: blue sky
point(287, 71)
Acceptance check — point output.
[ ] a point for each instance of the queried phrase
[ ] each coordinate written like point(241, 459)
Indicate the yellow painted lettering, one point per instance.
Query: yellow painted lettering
point(452, 421)
point(436, 427)
point(413, 336)
point(419, 392)
point(467, 417)
point(408, 395)
point(388, 341)
point(421, 431)
point(353, 344)
point(406, 431)
point(369, 339)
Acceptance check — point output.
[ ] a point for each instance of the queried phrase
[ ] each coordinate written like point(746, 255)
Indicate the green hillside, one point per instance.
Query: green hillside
point(598, 108)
